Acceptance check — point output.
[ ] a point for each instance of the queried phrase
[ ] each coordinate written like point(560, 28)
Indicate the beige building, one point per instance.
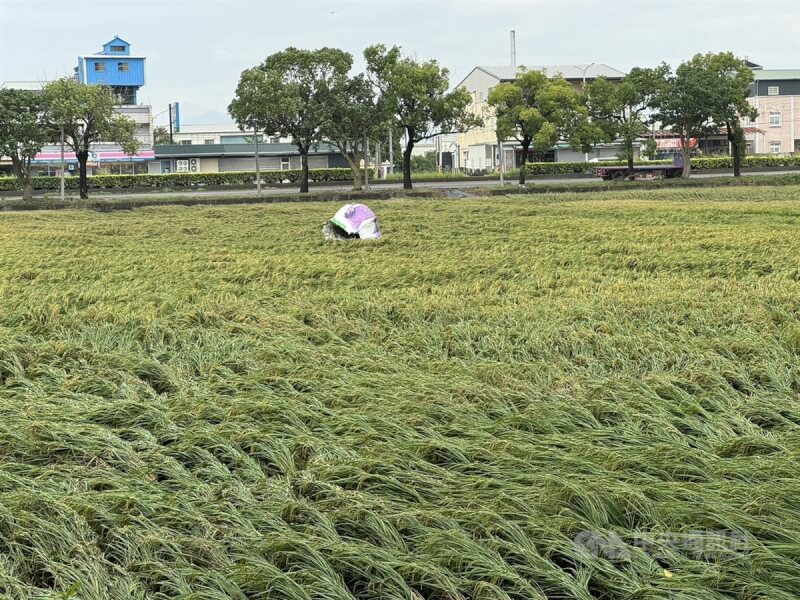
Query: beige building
point(777, 98)
point(478, 148)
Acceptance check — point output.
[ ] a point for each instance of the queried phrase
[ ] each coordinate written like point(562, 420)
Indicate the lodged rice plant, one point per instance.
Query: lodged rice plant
point(550, 397)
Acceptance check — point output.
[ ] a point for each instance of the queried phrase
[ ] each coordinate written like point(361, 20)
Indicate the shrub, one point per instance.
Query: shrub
point(179, 180)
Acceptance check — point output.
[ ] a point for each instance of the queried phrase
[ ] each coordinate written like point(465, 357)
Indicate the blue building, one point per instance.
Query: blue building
point(114, 67)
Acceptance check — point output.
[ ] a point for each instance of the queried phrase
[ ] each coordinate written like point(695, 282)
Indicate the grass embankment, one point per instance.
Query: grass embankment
point(213, 403)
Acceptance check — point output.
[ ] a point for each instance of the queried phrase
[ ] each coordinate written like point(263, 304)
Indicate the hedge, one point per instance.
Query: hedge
point(182, 180)
point(243, 178)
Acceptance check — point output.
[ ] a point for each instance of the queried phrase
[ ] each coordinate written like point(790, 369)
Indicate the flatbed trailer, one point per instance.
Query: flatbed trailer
point(639, 172)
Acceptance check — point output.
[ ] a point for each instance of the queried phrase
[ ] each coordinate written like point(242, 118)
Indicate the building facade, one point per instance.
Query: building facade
point(124, 73)
point(478, 148)
point(221, 158)
point(776, 96)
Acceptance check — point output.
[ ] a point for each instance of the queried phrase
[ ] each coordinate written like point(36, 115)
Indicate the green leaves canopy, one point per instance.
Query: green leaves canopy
point(290, 94)
point(417, 94)
point(619, 110)
point(538, 111)
point(87, 115)
point(703, 95)
point(24, 129)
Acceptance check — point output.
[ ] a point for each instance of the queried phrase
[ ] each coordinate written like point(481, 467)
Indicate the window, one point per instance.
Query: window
point(285, 166)
point(118, 48)
point(773, 90)
point(99, 66)
point(186, 142)
point(774, 119)
point(209, 141)
point(122, 66)
point(775, 147)
point(274, 140)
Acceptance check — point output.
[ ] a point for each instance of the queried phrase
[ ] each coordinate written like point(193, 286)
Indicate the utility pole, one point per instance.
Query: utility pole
point(366, 163)
point(583, 86)
point(62, 164)
point(170, 123)
point(258, 165)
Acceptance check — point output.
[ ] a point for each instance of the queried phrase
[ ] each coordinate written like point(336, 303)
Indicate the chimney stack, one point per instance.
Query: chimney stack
point(513, 48)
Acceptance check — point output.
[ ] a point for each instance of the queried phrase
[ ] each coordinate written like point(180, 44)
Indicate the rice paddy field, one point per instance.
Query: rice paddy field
point(550, 397)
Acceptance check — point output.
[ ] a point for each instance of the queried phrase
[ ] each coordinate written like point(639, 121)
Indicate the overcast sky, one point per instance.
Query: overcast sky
point(196, 49)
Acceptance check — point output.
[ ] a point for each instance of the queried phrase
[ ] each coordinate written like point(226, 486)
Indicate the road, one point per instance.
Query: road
point(465, 184)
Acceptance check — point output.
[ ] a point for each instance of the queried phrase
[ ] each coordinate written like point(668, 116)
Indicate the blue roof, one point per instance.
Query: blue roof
point(116, 39)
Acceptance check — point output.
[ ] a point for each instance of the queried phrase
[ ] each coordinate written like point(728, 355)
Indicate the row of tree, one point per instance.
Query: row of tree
point(82, 115)
point(310, 96)
point(701, 97)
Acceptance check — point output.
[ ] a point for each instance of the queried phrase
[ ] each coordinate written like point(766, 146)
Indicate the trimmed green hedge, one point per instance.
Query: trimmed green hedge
point(699, 164)
point(183, 180)
point(243, 178)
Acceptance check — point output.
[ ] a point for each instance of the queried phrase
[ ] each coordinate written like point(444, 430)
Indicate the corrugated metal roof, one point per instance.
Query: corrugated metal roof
point(776, 74)
point(509, 73)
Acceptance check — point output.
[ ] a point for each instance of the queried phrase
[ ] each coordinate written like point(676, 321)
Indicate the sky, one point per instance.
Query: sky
point(196, 49)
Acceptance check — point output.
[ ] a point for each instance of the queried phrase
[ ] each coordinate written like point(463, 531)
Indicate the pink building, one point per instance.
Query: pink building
point(777, 98)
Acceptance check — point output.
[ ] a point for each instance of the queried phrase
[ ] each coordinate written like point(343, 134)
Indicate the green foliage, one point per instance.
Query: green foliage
point(416, 94)
point(703, 95)
point(359, 114)
point(24, 130)
point(179, 180)
point(538, 110)
point(425, 163)
point(292, 94)
point(213, 403)
point(161, 136)
point(618, 109)
point(86, 115)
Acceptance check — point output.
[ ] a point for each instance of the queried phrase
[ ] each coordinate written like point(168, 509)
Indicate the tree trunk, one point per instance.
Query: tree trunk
point(629, 153)
point(22, 171)
point(526, 144)
point(27, 190)
point(686, 152)
point(304, 176)
point(407, 164)
point(83, 182)
point(355, 167)
point(734, 137)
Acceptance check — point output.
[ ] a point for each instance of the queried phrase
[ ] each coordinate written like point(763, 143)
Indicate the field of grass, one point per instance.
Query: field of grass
point(545, 397)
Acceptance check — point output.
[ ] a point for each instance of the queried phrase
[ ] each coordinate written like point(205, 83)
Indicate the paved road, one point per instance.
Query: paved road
point(465, 184)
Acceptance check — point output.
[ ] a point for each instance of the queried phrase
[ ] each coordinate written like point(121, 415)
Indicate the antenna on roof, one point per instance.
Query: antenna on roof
point(513, 48)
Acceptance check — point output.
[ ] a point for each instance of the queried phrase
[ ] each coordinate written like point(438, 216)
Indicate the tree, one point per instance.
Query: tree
point(416, 94)
point(705, 93)
point(87, 116)
point(290, 94)
point(733, 82)
point(24, 130)
point(538, 111)
point(619, 110)
point(161, 136)
point(359, 117)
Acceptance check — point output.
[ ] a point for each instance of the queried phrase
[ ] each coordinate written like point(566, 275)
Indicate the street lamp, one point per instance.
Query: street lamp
point(583, 85)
